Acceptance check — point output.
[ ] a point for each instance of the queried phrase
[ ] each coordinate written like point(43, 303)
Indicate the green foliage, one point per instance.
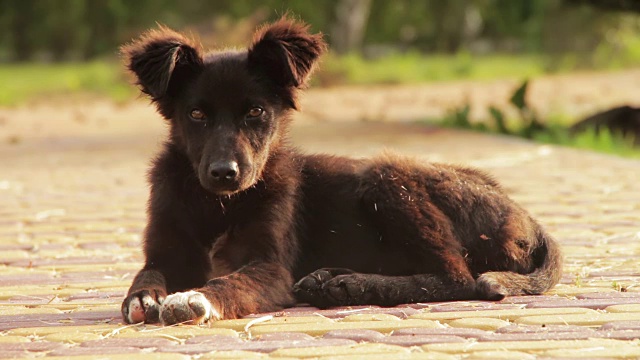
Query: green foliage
point(554, 131)
point(518, 97)
point(623, 46)
point(529, 123)
point(85, 29)
point(498, 119)
point(459, 117)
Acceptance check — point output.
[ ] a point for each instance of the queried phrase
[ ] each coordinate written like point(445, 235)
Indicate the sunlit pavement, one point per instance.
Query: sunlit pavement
point(72, 209)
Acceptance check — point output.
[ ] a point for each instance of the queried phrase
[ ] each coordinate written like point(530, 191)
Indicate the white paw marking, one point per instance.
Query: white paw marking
point(147, 301)
point(134, 306)
point(186, 299)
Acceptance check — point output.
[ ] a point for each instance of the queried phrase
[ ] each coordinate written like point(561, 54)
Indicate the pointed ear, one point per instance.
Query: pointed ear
point(285, 52)
point(161, 59)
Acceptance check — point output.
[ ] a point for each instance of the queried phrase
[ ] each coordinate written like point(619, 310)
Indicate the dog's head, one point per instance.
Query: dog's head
point(227, 110)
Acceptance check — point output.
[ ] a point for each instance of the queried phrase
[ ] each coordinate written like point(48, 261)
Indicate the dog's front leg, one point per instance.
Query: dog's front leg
point(143, 300)
point(174, 262)
point(252, 265)
point(256, 287)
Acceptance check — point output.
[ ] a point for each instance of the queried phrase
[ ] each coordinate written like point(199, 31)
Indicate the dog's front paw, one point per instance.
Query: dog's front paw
point(189, 307)
point(142, 306)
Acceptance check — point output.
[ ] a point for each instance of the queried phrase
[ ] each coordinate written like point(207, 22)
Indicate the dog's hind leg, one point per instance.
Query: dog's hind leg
point(323, 290)
point(547, 257)
point(423, 237)
point(417, 232)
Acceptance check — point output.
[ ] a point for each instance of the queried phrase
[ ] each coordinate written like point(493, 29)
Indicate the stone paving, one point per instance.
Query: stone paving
point(72, 203)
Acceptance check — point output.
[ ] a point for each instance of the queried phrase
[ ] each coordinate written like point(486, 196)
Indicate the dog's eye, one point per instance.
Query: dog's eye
point(197, 115)
point(255, 112)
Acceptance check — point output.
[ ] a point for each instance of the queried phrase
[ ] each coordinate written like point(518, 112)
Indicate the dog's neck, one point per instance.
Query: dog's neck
point(282, 165)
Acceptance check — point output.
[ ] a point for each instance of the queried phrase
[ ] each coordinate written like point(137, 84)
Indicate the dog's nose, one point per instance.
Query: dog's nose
point(223, 170)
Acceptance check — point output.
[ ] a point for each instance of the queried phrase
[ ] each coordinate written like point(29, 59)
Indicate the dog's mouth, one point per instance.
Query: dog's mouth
point(222, 190)
point(226, 192)
point(226, 180)
point(226, 188)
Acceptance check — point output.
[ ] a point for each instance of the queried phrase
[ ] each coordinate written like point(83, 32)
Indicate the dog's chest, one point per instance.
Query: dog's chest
point(226, 255)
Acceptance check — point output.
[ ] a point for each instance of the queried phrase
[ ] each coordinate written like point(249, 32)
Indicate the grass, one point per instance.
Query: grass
point(24, 82)
point(603, 141)
point(417, 68)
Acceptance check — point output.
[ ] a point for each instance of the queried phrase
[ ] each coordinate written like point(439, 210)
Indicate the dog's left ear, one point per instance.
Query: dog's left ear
point(286, 52)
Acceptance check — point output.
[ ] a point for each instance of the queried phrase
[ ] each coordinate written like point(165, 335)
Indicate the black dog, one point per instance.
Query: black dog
point(237, 215)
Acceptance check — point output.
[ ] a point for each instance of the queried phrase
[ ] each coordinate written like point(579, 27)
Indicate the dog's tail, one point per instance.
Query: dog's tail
point(548, 260)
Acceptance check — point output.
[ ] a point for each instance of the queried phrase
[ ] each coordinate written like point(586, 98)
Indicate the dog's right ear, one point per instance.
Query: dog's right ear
point(161, 59)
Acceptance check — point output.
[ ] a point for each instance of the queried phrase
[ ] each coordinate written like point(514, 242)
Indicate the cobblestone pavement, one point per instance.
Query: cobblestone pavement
point(72, 202)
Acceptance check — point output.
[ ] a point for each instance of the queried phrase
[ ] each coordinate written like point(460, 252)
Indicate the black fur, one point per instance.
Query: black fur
point(239, 215)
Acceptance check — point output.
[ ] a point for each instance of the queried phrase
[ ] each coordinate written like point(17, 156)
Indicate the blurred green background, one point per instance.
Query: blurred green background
point(71, 46)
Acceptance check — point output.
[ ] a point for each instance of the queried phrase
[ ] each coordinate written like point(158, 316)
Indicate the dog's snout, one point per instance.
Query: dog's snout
point(224, 170)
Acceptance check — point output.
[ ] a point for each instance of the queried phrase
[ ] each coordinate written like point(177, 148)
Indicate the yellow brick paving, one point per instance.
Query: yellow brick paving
point(72, 202)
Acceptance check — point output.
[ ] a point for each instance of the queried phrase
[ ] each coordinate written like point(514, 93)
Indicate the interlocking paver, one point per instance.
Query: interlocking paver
point(500, 355)
point(32, 346)
point(510, 314)
point(360, 349)
point(259, 346)
point(371, 317)
point(413, 340)
point(481, 323)
point(173, 332)
point(77, 351)
point(395, 356)
point(71, 337)
point(593, 319)
point(48, 330)
point(12, 339)
point(621, 325)
point(242, 324)
point(473, 306)
point(467, 333)
point(529, 329)
point(619, 334)
point(595, 351)
point(554, 335)
point(401, 312)
point(71, 233)
point(317, 329)
point(233, 354)
point(125, 356)
point(214, 339)
point(534, 346)
point(635, 307)
point(359, 335)
point(131, 342)
point(596, 304)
